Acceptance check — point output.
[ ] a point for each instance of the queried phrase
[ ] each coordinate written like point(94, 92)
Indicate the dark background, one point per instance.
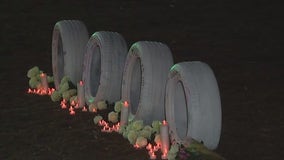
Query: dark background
point(241, 41)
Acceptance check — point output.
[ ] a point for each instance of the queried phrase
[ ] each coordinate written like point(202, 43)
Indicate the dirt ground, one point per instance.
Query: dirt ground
point(240, 41)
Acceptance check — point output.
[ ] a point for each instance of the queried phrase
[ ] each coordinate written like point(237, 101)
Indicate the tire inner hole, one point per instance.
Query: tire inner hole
point(180, 110)
point(95, 70)
point(135, 85)
point(60, 60)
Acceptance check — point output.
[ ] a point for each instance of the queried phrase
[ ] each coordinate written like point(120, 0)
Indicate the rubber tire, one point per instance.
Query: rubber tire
point(105, 54)
point(69, 40)
point(144, 80)
point(193, 105)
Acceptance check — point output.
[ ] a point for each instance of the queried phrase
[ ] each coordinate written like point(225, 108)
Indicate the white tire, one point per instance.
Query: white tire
point(144, 80)
point(103, 67)
point(193, 106)
point(69, 40)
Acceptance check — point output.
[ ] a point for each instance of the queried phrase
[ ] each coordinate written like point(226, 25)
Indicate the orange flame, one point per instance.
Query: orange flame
point(136, 146)
point(94, 110)
point(72, 112)
point(84, 109)
point(165, 154)
point(126, 104)
point(63, 104)
point(41, 91)
point(152, 149)
point(165, 122)
point(152, 155)
point(73, 103)
point(107, 128)
point(77, 105)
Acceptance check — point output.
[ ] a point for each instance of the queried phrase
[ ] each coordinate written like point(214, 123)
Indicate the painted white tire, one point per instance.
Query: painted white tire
point(193, 106)
point(144, 80)
point(69, 40)
point(103, 66)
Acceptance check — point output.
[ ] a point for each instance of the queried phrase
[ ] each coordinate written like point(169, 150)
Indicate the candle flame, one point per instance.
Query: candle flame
point(84, 109)
point(63, 106)
point(165, 122)
point(126, 104)
point(149, 146)
point(77, 105)
point(152, 155)
point(81, 83)
point(72, 112)
point(152, 149)
point(164, 155)
point(94, 110)
point(73, 103)
point(136, 146)
point(107, 128)
point(41, 91)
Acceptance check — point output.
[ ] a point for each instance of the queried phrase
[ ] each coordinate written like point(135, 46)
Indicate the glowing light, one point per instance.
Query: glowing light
point(43, 79)
point(41, 91)
point(152, 149)
point(81, 94)
point(164, 131)
point(136, 146)
point(72, 112)
point(149, 146)
point(152, 155)
point(107, 128)
point(84, 109)
point(156, 147)
point(124, 113)
point(73, 103)
point(165, 154)
point(63, 104)
point(94, 110)
point(125, 104)
point(165, 122)
point(77, 106)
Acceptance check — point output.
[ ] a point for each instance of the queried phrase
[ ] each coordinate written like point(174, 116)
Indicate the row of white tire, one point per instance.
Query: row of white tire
point(185, 94)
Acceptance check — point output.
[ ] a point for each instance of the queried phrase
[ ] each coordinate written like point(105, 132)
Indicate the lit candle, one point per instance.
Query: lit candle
point(73, 103)
point(72, 112)
point(149, 146)
point(30, 90)
point(81, 94)
point(84, 109)
point(50, 91)
point(44, 83)
point(164, 130)
point(63, 104)
point(124, 114)
point(152, 155)
point(164, 155)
